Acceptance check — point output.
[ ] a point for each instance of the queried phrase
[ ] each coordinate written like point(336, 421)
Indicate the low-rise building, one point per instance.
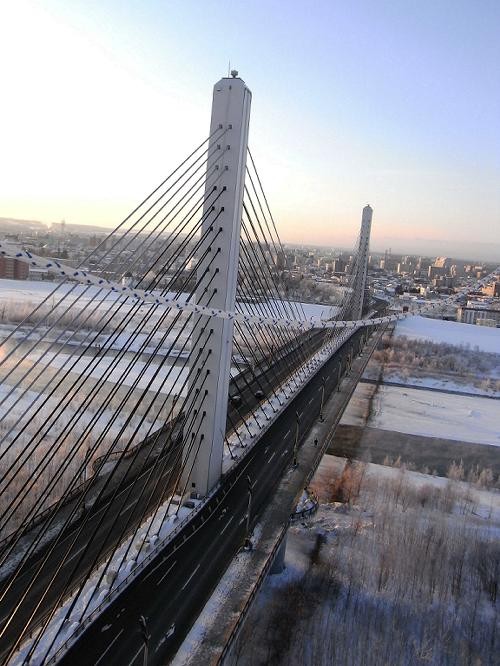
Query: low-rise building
point(473, 315)
point(13, 269)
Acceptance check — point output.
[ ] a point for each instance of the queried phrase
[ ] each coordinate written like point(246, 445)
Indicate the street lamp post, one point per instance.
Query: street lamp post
point(146, 636)
point(296, 442)
point(248, 543)
point(323, 382)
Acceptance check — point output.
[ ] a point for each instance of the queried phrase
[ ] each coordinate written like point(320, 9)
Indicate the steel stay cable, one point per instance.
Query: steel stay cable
point(111, 368)
point(271, 346)
point(69, 357)
point(269, 211)
point(180, 411)
point(105, 460)
point(172, 173)
point(193, 186)
point(105, 241)
point(267, 331)
point(195, 269)
point(73, 303)
point(257, 363)
point(83, 524)
point(278, 334)
point(92, 567)
point(267, 306)
point(249, 196)
point(44, 353)
point(271, 281)
point(179, 454)
point(74, 450)
point(97, 416)
point(116, 360)
point(284, 335)
point(267, 205)
point(41, 632)
point(240, 471)
point(265, 357)
point(284, 301)
point(188, 237)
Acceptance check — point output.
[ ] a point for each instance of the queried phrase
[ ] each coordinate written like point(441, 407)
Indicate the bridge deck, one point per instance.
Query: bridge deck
point(224, 619)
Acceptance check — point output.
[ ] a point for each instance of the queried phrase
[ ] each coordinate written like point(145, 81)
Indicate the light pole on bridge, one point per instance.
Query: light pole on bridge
point(146, 636)
point(323, 383)
point(296, 441)
point(248, 543)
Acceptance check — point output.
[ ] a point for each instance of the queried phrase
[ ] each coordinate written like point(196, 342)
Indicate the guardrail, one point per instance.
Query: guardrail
point(255, 589)
point(212, 496)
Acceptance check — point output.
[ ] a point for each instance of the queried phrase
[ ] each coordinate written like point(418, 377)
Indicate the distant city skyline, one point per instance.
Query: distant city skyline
point(475, 251)
point(383, 102)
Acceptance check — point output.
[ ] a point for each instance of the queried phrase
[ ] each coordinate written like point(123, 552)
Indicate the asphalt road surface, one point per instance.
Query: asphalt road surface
point(174, 586)
point(90, 536)
point(27, 599)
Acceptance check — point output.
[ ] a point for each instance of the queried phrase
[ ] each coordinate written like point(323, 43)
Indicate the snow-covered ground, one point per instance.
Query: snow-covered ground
point(452, 332)
point(163, 380)
point(361, 585)
point(22, 291)
point(418, 412)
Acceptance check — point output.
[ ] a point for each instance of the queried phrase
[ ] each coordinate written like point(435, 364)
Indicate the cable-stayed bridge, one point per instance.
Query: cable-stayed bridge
point(146, 420)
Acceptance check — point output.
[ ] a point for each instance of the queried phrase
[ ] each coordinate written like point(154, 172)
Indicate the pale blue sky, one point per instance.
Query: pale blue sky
point(395, 103)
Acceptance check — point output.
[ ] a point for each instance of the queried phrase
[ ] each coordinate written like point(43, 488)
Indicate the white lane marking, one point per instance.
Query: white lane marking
point(141, 649)
point(68, 559)
point(288, 432)
point(189, 579)
point(243, 519)
point(226, 525)
point(130, 505)
point(269, 459)
point(166, 573)
point(154, 569)
point(109, 647)
point(311, 400)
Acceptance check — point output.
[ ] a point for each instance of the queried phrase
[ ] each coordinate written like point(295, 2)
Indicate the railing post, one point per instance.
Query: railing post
point(202, 458)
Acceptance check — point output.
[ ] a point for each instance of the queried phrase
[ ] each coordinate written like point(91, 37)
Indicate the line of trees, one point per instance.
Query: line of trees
point(406, 574)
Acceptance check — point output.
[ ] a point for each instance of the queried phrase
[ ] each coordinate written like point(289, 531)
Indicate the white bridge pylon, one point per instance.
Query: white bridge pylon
point(213, 337)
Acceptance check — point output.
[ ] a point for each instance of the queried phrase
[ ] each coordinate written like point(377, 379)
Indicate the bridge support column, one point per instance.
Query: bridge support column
point(278, 565)
point(204, 447)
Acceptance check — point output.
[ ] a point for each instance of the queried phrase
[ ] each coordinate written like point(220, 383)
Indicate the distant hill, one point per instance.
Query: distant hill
point(12, 225)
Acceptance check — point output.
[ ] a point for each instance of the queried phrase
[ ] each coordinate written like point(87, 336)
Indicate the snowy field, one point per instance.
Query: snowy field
point(452, 332)
point(417, 412)
point(361, 584)
point(29, 291)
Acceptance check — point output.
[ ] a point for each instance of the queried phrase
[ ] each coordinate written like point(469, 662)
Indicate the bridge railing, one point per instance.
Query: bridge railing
point(255, 590)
